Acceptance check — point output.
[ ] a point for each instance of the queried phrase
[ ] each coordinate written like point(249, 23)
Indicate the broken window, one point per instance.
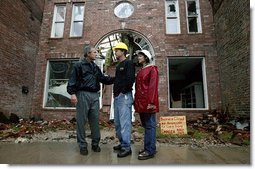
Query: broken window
point(58, 73)
point(172, 17)
point(186, 83)
point(193, 16)
point(77, 20)
point(58, 21)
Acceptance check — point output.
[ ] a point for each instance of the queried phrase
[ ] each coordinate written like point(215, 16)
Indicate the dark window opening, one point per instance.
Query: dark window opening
point(192, 8)
point(186, 83)
point(172, 8)
point(193, 24)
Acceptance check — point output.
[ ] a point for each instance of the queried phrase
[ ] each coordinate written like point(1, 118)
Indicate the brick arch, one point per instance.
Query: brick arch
point(106, 91)
point(134, 33)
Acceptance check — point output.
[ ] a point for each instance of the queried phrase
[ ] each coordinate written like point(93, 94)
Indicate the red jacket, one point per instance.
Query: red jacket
point(146, 89)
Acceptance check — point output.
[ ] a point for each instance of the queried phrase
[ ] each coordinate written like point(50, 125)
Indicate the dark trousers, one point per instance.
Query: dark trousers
point(87, 110)
point(148, 121)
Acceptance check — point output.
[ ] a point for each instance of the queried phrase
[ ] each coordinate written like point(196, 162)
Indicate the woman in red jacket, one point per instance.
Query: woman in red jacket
point(146, 102)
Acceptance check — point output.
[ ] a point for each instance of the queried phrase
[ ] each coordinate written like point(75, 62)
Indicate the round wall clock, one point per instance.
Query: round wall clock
point(124, 9)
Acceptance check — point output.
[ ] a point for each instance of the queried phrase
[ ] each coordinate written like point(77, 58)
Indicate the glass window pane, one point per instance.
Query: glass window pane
point(77, 28)
point(172, 17)
point(171, 9)
point(59, 72)
point(124, 10)
point(172, 25)
point(59, 69)
point(59, 29)
point(78, 12)
point(77, 20)
point(60, 15)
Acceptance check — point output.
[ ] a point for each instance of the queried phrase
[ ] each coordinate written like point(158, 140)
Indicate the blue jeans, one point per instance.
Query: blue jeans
point(122, 118)
point(148, 121)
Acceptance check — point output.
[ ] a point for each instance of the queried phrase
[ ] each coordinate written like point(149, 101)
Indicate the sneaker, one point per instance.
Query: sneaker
point(84, 151)
point(96, 148)
point(118, 147)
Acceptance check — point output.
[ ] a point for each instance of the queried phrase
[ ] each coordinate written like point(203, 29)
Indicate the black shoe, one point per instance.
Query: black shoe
point(84, 151)
point(124, 153)
point(118, 147)
point(96, 148)
point(145, 156)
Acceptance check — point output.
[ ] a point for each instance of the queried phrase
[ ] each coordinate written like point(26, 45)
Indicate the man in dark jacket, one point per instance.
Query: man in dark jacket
point(83, 86)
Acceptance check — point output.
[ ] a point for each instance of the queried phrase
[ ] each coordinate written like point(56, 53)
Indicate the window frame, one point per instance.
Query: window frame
point(204, 80)
point(168, 17)
point(47, 79)
point(197, 16)
point(53, 27)
point(126, 6)
point(73, 21)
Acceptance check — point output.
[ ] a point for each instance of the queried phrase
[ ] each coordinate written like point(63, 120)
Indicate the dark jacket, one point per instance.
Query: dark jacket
point(124, 77)
point(146, 89)
point(86, 77)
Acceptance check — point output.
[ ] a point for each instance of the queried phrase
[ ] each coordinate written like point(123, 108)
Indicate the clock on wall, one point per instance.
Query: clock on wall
point(124, 9)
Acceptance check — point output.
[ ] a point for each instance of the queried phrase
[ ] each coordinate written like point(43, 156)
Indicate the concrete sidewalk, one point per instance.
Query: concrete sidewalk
point(61, 153)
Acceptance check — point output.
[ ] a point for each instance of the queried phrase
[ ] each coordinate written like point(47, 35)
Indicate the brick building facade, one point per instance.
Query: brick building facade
point(232, 32)
point(20, 24)
point(147, 22)
point(180, 34)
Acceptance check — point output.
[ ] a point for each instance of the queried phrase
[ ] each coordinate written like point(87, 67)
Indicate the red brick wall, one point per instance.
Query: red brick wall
point(232, 30)
point(20, 23)
point(149, 20)
point(186, 45)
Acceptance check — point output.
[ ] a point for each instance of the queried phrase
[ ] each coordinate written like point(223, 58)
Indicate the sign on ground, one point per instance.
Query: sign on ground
point(173, 125)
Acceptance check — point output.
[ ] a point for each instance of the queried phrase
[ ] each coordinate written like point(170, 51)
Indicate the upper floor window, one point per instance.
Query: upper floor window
point(172, 17)
point(58, 21)
point(124, 9)
point(193, 16)
point(77, 20)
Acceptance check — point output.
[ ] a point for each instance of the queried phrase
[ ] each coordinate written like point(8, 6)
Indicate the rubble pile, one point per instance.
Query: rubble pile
point(222, 128)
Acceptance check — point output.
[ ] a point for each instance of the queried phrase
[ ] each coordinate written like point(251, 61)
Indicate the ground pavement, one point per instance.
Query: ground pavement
point(62, 153)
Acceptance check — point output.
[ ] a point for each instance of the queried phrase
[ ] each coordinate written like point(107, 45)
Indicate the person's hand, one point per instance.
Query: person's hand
point(74, 99)
point(151, 107)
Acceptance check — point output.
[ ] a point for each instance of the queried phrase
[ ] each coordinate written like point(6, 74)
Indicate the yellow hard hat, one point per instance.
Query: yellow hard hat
point(121, 45)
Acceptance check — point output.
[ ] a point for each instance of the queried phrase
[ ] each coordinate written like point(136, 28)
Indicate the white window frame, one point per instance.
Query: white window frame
point(197, 15)
point(46, 84)
point(172, 16)
point(55, 21)
point(72, 33)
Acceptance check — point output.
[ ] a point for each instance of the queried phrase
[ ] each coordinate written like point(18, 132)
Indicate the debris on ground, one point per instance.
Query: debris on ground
point(211, 129)
point(28, 128)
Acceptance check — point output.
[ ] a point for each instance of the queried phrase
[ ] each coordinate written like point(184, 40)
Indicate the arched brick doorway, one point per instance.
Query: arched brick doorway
point(107, 61)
